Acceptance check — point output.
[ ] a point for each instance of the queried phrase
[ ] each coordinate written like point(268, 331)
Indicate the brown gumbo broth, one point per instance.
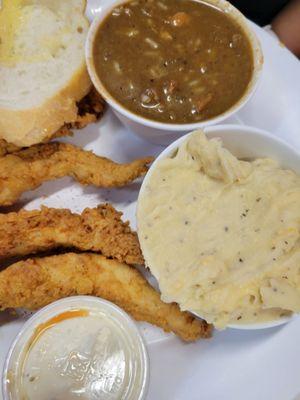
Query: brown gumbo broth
point(173, 61)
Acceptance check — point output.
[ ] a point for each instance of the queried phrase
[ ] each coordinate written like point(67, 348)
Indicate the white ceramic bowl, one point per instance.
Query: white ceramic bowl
point(243, 142)
point(158, 132)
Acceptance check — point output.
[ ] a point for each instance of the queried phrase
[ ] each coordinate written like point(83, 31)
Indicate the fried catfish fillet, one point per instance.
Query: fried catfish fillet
point(98, 229)
point(7, 148)
point(29, 168)
point(33, 283)
point(90, 109)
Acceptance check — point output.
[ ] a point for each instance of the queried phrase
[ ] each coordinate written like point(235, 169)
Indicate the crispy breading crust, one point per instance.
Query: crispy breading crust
point(90, 109)
point(7, 148)
point(96, 229)
point(36, 282)
point(29, 168)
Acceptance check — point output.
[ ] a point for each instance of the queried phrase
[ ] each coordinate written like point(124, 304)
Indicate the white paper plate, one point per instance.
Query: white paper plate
point(233, 365)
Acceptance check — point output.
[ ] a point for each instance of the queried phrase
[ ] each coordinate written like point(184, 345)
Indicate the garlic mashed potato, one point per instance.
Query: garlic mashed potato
point(222, 235)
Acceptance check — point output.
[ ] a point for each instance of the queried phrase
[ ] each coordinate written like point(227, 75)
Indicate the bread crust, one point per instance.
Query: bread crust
point(26, 127)
point(35, 125)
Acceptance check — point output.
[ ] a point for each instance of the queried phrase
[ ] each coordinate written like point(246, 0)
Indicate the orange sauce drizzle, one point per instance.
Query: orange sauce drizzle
point(56, 320)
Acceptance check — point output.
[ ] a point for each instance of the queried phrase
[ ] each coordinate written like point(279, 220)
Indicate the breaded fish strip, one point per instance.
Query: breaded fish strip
point(6, 148)
point(29, 168)
point(96, 229)
point(90, 109)
point(33, 283)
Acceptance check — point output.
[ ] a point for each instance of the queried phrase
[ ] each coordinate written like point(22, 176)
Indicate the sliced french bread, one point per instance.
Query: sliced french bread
point(42, 67)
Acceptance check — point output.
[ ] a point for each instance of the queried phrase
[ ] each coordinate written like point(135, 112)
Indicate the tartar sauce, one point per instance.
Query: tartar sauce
point(82, 353)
